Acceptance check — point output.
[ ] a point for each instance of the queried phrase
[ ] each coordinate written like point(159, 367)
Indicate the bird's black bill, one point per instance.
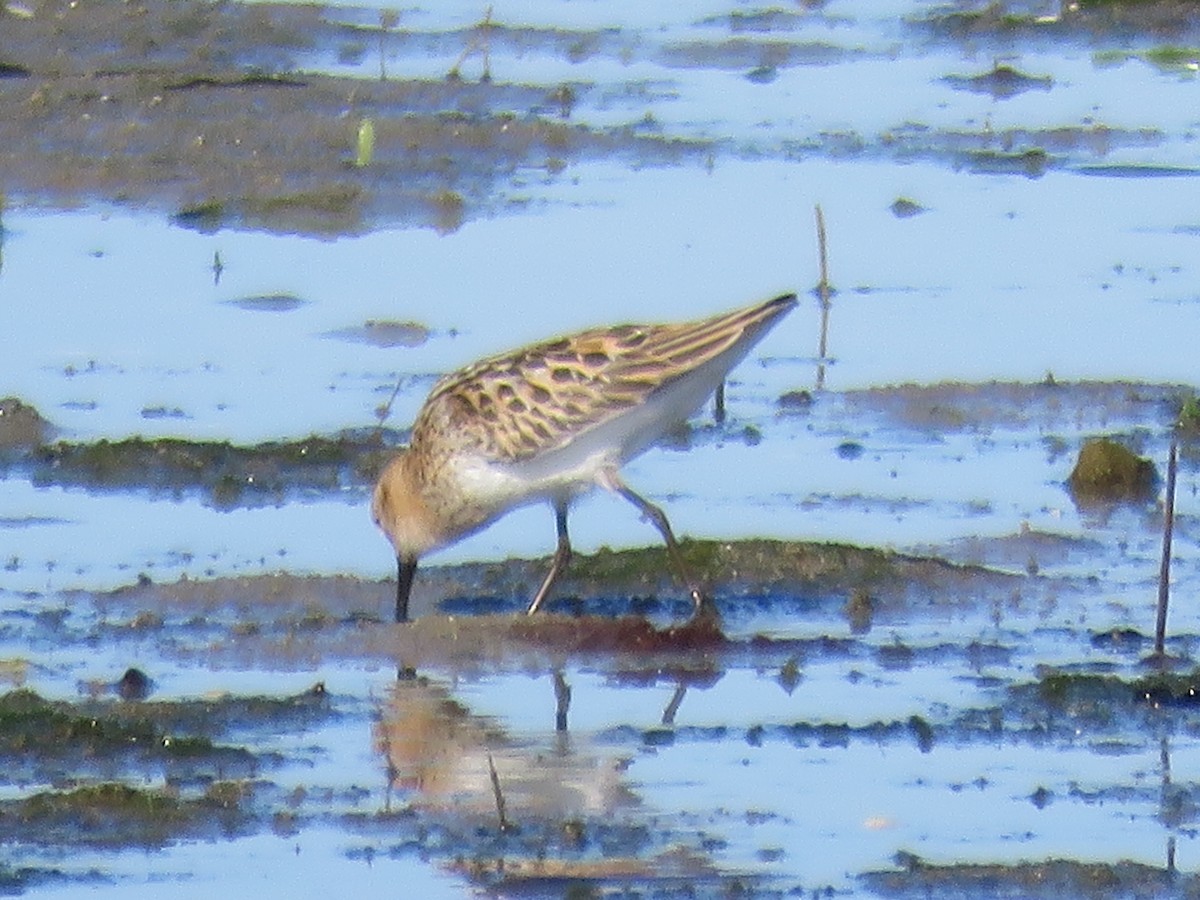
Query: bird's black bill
point(405, 570)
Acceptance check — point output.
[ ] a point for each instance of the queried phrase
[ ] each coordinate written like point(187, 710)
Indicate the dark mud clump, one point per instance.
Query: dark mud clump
point(1109, 472)
point(21, 426)
point(905, 208)
point(384, 333)
point(269, 303)
point(1001, 82)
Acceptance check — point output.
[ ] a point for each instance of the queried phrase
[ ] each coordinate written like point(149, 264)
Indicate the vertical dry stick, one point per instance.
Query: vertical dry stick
point(504, 826)
point(481, 41)
point(823, 292)
point(384, 410)
point(1164, 572)
point(823, 286)
point(388, 19)
point(486, 28)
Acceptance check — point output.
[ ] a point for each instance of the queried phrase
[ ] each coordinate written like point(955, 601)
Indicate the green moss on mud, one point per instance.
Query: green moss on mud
point(1084, 695)
point(1108, 471)
point(227, 474)
point(840, 569)
point(1188, 419)
point(32, 724)
point(117, 815)
point(1087, 695)
point(1032, 163)
point(1168, 688)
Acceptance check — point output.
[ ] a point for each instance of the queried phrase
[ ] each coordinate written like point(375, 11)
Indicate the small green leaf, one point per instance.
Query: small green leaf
point(366, 143)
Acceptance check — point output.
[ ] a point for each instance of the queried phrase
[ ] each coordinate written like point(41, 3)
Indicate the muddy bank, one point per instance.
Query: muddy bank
point(231, 476)
point(213, 115)
point(1048, 406)
point(1050, 878)
point(219, 116)
point(614, 607)
point(606, 583)
point(208, 114)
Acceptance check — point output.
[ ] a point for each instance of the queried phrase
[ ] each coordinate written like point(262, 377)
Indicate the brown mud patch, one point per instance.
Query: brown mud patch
point(1047, 406)
point(1049, 878)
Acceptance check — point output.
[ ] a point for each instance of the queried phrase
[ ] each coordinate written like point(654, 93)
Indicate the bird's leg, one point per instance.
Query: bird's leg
point(658, 519)
point(562, 557)
point(668, 716)
point(405, 570)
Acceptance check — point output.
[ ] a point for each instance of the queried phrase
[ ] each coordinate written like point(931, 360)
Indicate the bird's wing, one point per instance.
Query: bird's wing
point(540, 398)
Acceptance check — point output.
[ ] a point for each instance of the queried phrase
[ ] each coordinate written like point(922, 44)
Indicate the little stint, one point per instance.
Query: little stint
point(549, 422)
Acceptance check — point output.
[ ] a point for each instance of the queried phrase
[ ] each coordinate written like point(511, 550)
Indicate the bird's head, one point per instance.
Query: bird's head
point(403, 514)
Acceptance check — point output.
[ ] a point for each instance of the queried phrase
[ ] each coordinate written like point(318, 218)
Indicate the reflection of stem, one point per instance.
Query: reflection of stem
point(1164, 572)
point(823, 294)
point(487, 45)
point(719, 404)
point(388, 19)
point(504, 824)
point(1164, 752)
point(668, 716)
point(481, 42)
point(392, 772)
point(562, 700)
point(383, 411)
